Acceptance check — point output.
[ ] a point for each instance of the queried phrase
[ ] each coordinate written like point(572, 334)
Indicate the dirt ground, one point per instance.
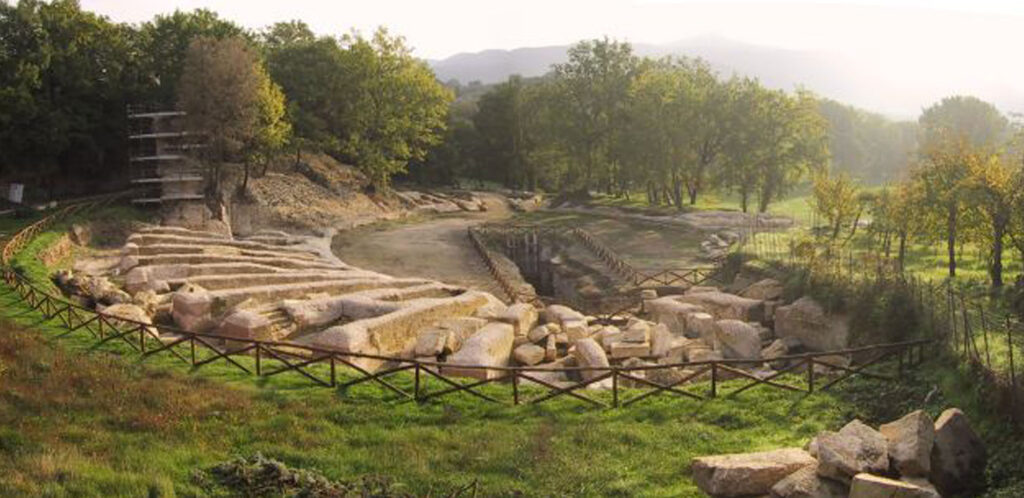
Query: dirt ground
point(437, 248)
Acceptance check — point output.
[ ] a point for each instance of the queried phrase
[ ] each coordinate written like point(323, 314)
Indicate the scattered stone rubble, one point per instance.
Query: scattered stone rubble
point(277, 286)
point(911, 457)
point(439, 202)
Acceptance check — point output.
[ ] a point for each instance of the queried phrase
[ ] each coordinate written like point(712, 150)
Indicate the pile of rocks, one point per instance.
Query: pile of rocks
point(440, 202)
point(911, 457)
point(754, 324)
point(716, 245)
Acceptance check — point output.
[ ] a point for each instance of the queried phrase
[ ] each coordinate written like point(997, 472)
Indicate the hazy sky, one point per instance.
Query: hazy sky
point(933, 47)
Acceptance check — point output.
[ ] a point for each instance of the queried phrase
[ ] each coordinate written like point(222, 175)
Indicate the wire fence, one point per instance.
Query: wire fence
point(972, 327)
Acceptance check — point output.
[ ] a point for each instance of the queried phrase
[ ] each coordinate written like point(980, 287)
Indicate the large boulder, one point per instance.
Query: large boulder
point(590, 354)
point(556, 313)
point(522, 316)
point(807, 321)
point(736, 339)
point(768, 289)
point(806, 483)
point(727, 306)
point(701, 326)
point(747, 473)
point(245, 324)
point(661, 340)
point(672, 313)
point(910, 441)
point(854, 449)
point(490, 346)
point(958, 457)
point(872, 486)
point(528, 354)
point(131, 312)
point(193, 311)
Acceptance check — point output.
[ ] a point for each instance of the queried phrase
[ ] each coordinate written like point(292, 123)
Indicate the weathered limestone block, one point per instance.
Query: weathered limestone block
point(590, 355)
point(704, 354)
point(854, 449)
point(538, 333)
point(637, 332)
point(631, 349)
point(806, 483)
point(701, 326)
point(736, 339)
point(661, 340)
point(807, 321)
point(669, 311)
point(550, 348)
point(528, 354)
point(872, 486)
point(910, 442)
point(768, 289)
point(435, 341)
point(727, 306)
point(556, 313)
point(246, 324)
point(130, 312)
point(490, 346)
point(747, 473)
point(575, 329)
point(522, 316)
point(193, 311)
point(959, 456)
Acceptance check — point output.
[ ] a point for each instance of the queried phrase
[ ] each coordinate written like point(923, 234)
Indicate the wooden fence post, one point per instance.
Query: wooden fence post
point(714, 379)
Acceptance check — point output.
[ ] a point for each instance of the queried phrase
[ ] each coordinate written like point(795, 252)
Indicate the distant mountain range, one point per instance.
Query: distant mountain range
point(829, 75)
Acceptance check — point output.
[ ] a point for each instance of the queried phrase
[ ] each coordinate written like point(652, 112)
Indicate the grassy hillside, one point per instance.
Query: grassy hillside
point(81, 420)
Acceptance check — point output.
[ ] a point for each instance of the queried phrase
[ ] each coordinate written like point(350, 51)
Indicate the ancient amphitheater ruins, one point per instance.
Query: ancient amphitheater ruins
point(281, 287)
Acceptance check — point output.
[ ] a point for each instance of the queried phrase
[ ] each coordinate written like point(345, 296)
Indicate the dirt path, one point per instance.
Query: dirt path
point(437, 248)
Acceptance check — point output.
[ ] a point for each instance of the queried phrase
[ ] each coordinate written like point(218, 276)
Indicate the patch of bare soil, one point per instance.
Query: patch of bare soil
point(438, 248)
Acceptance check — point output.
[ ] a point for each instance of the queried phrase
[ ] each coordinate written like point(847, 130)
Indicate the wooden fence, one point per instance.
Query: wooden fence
point(330, 368)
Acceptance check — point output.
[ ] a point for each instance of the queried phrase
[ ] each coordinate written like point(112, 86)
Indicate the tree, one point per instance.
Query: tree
point(164, 43)
point(835, 198)
point(393, 108)
point(792, 141)
point(65, 78)
point(993, 190)
point(968, 118)
point(229, 98)
point(943, 173)
point(502, 124)
point(594, 84)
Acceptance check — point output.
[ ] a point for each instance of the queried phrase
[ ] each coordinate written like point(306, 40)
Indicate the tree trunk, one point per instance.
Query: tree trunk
point(903, 249)
point(744, 200)
point(996, 269)
point(692, 191)
point(951, 239)
point(245, 177)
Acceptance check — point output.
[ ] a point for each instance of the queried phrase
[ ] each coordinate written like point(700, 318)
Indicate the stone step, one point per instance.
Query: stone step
point(144, 239)
point(158, 249)
point(238, 280)
point(277, 262)
point(169, 230)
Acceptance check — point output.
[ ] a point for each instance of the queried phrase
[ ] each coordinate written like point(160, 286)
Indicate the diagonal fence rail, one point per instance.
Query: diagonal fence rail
point(516, 385)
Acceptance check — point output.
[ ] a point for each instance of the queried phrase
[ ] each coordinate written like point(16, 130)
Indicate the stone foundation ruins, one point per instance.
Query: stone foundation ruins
point(282, 287)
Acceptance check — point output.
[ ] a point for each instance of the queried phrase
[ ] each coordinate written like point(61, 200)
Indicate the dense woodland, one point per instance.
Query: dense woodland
point(665, 131)
point(604, 121)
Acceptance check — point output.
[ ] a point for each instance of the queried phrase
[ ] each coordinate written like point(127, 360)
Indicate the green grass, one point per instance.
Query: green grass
point(81, 420)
